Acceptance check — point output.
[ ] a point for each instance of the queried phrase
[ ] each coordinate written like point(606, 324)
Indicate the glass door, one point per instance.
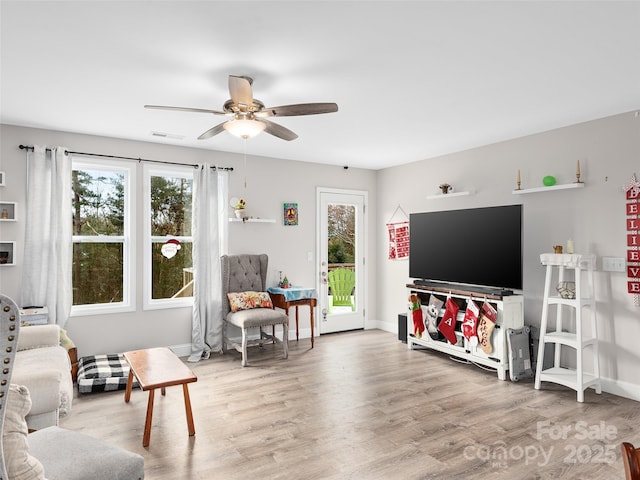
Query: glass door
point(341, 259)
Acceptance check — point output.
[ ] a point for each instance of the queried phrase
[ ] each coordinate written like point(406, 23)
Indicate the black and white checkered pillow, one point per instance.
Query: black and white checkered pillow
point(103, 373)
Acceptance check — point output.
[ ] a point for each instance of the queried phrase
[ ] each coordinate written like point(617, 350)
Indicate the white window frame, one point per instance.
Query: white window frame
point(127, 240)
point(169, 171)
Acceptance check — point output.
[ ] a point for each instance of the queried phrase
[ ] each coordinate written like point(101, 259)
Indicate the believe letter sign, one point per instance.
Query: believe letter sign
point(632, 191)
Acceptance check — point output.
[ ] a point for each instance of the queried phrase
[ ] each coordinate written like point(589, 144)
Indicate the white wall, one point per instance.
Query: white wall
point(594, 217)
point(270, 182)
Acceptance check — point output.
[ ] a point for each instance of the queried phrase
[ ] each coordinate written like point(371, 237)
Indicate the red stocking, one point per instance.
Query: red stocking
point(448, 323)
point(416, 315)
point(418, 323)
point(470, 322)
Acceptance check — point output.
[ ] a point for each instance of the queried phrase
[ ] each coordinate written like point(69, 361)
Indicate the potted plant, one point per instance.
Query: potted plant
point(239, 208)
point(445, 187)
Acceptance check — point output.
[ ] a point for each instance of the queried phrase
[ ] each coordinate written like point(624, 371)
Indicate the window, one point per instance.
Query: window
point(168, 240)
point(102, 277)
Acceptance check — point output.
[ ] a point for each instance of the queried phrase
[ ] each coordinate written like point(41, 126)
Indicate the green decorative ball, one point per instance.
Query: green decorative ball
point(549, 181)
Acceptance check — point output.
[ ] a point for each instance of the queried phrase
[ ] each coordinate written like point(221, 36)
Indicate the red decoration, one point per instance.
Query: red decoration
point(398, 240)
point(633, 272)
point(632, 192)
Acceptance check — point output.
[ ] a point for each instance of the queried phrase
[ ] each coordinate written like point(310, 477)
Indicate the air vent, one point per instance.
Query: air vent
point(172, 136)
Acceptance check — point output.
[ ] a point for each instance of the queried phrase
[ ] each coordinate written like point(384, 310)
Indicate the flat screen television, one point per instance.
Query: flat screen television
point(475, 246)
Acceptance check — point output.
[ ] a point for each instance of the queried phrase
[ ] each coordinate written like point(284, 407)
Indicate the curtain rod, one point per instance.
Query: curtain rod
point(67, 152)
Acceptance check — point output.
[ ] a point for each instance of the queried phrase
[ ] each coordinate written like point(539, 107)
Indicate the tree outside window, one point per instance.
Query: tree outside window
point(170, 218)
point(341, 231)
point(99, 235)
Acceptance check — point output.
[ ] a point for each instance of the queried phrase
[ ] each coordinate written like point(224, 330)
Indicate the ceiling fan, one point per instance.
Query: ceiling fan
point(249, 114)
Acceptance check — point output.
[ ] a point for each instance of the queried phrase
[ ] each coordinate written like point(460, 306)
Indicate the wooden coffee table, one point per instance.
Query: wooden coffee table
point(159, 368)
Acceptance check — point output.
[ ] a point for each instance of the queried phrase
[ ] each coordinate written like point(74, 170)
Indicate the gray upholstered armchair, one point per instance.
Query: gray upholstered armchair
point(55, 452)
point(248, 273)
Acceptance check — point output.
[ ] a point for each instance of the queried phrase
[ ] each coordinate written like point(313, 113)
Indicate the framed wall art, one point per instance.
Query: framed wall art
point(290, 214)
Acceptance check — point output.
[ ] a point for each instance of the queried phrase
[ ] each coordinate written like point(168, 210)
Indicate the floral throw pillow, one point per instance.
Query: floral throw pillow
point(248, 300)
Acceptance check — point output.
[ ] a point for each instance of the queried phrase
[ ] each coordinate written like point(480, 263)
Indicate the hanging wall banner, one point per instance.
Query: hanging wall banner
point(398, 240)
point(632, 192)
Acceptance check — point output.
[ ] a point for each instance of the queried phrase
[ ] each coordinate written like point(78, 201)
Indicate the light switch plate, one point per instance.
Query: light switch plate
point(614, 264)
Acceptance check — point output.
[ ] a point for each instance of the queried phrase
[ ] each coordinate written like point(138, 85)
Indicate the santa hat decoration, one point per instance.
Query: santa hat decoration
point(170, 248)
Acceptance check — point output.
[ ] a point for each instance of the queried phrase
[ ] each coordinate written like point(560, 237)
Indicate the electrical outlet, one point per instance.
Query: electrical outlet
point(614, 264)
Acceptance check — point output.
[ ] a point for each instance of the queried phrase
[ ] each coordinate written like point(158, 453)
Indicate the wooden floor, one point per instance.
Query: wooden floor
point(360, 405)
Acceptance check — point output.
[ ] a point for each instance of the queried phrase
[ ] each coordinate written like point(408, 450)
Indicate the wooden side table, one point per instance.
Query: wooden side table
point(294, 297)
point(73, 358)
point(159, 368)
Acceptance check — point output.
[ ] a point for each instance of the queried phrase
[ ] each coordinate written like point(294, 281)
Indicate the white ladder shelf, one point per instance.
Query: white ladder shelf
point(577, 378)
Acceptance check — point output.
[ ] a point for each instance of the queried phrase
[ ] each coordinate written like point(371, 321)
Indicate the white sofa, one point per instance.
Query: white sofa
point(43, 366)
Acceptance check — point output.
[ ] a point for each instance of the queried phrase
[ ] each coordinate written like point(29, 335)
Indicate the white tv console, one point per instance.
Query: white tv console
point(510, 310)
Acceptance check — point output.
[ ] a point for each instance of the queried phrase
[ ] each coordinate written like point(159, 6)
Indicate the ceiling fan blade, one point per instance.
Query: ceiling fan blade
point(212, 131)
point(240, 90)
point(298, 109)
point(185, 109)
point(278, 130)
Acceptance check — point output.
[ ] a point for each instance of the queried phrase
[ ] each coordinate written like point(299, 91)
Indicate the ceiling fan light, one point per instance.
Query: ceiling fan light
point(244, 128)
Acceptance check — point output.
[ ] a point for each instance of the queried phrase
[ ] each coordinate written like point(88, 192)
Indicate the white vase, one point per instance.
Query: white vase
point(239, 213)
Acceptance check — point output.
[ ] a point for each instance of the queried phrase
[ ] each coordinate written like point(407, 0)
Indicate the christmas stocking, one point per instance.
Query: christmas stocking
point(486, 323)
point(416, 313)
point(448, 323)
point(431, 316)
point(470, 322)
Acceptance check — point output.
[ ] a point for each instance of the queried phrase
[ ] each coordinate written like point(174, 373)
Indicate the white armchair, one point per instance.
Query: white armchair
point(43, 366)
point(53, 453)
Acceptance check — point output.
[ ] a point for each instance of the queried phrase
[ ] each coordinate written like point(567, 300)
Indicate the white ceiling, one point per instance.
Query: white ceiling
point(412, 80)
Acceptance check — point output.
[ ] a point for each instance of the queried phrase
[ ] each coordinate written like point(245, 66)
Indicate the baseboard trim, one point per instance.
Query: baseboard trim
point(183, 350)
point(390, 327)
point(621, 389)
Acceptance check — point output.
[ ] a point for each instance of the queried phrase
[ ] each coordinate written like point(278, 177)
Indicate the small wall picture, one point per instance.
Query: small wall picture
point(2, 179)
point(290, 213)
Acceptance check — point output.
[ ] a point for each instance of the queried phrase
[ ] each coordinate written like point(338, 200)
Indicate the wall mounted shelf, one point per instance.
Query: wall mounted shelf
point(547, 189)
point(7, 211)
point(449, 195)
point(7, 250)
point(252, 220)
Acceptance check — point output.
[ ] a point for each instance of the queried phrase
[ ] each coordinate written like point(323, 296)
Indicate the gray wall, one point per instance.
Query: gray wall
point(594, 217)
point(270, 182)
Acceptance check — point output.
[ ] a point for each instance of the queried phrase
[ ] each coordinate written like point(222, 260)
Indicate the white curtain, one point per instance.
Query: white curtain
point(46, 274)
point(209, 230)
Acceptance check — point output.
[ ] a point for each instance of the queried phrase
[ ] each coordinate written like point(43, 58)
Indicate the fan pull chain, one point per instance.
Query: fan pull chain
point(245, 162)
